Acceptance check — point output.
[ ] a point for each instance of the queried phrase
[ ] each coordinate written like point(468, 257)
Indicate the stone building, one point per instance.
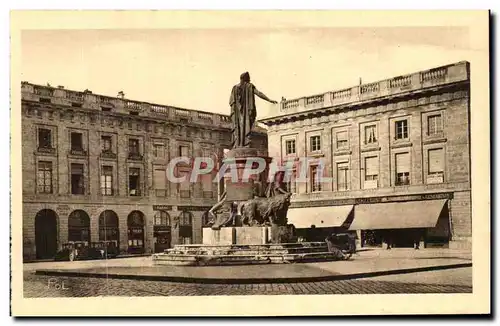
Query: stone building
point(94, 168)
point(398, 155)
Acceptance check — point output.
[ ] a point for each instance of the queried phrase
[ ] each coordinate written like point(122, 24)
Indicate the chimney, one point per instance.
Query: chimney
point(121, 94)
point(60, 87)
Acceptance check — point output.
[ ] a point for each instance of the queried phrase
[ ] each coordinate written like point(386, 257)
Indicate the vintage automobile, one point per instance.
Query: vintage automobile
point(81, 250)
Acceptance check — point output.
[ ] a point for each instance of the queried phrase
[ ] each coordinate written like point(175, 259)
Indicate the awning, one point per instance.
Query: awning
point(415, 214)
point(321, 217)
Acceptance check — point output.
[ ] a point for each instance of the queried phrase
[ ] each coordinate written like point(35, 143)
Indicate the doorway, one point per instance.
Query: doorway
point(46, 234)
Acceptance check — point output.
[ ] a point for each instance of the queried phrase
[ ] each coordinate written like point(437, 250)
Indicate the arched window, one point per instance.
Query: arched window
point(135, 224)
point(108, 226)
point(79, 226)
point(186, 218)
point(162, 218)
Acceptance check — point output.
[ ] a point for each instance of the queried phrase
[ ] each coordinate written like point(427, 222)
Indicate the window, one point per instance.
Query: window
point(402, 129)
point(185, 228)
point(315, 179)
point(183, 151)
point(290, 146)
point(162, 218)
point(160, 182)
point(133, 146)
point(207, 185)
point(77, 177)
point(76, 141)
point(370, 134)
point(402, 169)
point(158, 150)
point(436, 165)
point(184, 186)
point(342, 176)
point(371, 172)
point(342, 141)
point(291, 185)
point(134, 182)
point(44, 138)
point(107, 181)
point(45, 177)
point(434, 125)
point(315, 143)
point(106, 144)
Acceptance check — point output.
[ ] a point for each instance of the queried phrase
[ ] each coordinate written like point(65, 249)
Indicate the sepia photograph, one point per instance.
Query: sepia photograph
point(279, 159)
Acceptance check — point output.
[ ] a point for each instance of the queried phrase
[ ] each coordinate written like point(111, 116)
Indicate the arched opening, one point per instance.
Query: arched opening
point(79, 226)
point(162, 231)
point(46, 234)
point(186, 228)
point(135, 224)
point(108, 227)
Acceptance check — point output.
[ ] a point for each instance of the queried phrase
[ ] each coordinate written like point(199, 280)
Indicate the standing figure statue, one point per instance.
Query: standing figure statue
point(243, 110)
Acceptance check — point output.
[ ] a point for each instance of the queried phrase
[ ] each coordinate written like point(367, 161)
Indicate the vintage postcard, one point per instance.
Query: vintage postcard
point(239, 163)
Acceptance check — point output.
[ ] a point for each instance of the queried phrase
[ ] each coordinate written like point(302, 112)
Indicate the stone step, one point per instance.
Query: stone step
point(197, 260)
point(204, 251)
point(254, 246)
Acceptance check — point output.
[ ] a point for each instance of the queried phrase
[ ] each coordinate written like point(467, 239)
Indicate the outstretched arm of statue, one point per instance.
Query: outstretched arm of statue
point(263, 96)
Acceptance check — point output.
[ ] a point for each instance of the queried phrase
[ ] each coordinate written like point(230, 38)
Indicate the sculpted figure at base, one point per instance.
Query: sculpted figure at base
point(243, 110)
point(266, 211)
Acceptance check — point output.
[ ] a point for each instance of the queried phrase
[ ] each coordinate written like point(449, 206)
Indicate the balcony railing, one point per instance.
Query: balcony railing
point(185, 194)
point(108, 154)
point(105, 101)
point(74, 96)
point(452, 73)
point(316, 99)
point(133, 106)
point(78, 152)
point(434, 74)
point(46, 149)
point(205, 116)
point(346, 93)
point(370, 88)
point(400, 81)
point(135, 156)
point(42, 91)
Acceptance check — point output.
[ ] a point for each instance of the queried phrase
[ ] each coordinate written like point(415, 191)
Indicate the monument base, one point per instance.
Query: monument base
point(244, 235)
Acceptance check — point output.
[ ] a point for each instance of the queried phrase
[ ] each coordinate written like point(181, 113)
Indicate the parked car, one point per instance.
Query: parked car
point(81, 250)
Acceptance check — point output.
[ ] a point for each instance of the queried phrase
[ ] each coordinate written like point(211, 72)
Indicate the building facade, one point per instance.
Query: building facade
point(397, 153)
point(95, 168)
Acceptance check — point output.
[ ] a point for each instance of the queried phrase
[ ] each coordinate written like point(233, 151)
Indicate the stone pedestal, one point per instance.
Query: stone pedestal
point(243, 235)
point(241, 189)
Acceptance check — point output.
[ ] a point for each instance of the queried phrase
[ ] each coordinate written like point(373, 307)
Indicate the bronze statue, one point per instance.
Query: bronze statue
point(266, 211)
point(243, 110)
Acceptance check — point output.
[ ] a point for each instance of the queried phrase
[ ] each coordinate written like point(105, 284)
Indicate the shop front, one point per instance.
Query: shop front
point(410, 224)
point(162, 231)
point(316, 223)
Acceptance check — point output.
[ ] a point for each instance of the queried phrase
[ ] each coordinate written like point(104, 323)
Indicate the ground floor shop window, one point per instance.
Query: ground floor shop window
point(79, 226)
point(108, 227)
point(135, 225)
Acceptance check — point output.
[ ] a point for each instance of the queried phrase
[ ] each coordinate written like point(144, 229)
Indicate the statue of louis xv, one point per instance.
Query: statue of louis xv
point(243, 110)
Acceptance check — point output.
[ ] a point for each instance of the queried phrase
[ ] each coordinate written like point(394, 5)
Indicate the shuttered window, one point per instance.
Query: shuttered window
point(403, 169)
point(436, 161)
point(342, 141)
point(342, 176)
point(159, 179)
point(371, 168)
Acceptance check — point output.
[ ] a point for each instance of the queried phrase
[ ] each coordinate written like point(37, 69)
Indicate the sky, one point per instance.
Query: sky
point(196, 68)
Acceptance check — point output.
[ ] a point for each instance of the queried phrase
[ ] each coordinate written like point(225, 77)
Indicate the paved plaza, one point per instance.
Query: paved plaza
point(435, 280)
